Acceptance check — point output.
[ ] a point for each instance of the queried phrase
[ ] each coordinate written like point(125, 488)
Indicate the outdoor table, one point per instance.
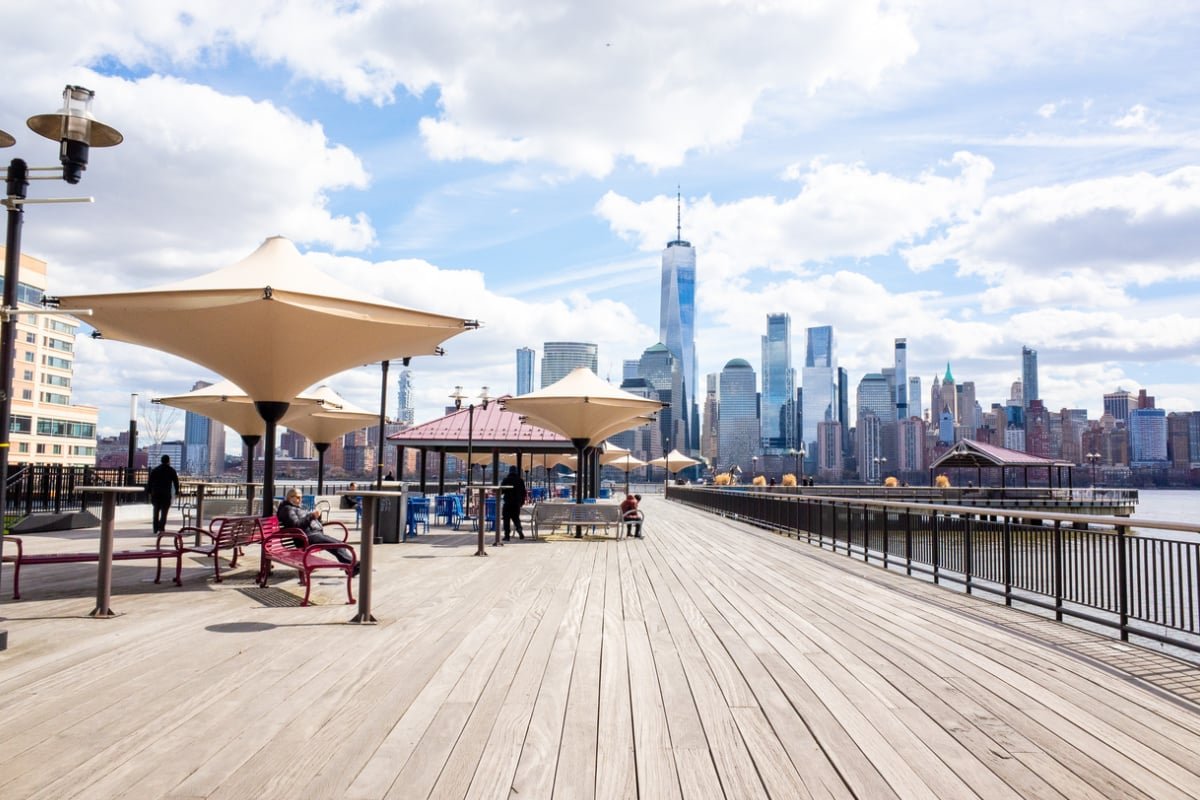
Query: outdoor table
point(370, 498)
point(108, 522)
point(482, 511)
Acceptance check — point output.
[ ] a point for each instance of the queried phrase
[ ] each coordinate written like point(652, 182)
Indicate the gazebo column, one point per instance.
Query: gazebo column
point(400, 463)
point(423, 466)
point(441, 468)
point(495, 465)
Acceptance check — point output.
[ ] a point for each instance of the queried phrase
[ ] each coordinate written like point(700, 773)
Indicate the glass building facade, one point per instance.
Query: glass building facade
point(1029, 376)
point(677, 328)
point(525, 357)
point(406, 400)
point(778, 386)
point(559, 358)
point(820, 385)
point(737, 415)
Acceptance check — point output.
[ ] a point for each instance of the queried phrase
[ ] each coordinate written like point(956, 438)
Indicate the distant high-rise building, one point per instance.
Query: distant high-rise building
point(525, 357)
point(873, 397)
point(778, 386)
point(1029, 376)
point(820, 385)
point(559, 358)
point(967, 407)
point(660, 369)
point(629, 368)
point(914, 397)
point(843, 414)
point(901, 379)
point(1037, 430)
point(829, 451)
point(737, 416)
point(295, 444)
point(1179, 448)
point(677, 322)
point(1145, 400)
point(949, 396)
point(406, 400)
point(868, 451)
point(708, 436)
point(1119, 404)
point(1147, 437)
point(203, 442)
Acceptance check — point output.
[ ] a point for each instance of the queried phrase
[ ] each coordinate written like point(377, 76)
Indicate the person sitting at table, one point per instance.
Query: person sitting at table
point(291, 515)
point(632, 516)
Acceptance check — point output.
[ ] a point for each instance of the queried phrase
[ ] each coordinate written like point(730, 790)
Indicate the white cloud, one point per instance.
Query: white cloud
point(1046, 110)
point(1127, 230)
point(1138, 118)
point(841, 210)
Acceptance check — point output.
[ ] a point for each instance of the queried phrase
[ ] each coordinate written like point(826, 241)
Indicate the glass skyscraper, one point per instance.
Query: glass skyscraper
point(524, 370)
point(203, 451)
point(677, 326)
point(559, 358)
point(405, 400)
point(820, 385)
point(737, 417)
point(1029, 376)
point(778, 386)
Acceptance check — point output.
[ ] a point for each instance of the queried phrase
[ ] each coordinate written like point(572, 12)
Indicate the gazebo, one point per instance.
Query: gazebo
point(495, 431)
point(968, 454)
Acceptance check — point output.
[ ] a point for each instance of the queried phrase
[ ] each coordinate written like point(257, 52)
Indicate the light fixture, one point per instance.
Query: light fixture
point(76, 130)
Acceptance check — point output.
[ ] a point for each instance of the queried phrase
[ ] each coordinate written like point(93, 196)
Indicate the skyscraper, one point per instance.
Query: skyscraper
point(203, 451)
point(406, 400)
point(525, 356)
point(660, 369)
point(559, 358)
point(873, 397)
point(708, 439)
point(677, 322)
point(737, 416)
point(1147, 437)
point(901, 379)
point(820, 390)
point(914, 397)
point(778, 386)
point(629, 368)
point(1119, 404)
point(1029, 376)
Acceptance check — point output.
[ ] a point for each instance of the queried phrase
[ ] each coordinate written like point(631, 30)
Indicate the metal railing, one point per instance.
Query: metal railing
point(1090, 568)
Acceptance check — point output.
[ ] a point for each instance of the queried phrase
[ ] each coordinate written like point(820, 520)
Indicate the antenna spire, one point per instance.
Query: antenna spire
point(678, 214)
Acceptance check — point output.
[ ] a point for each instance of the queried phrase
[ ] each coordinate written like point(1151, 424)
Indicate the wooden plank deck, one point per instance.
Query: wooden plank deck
point(708, 660)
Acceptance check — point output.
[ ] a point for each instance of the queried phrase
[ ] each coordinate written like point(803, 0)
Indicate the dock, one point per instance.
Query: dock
point(710, 659)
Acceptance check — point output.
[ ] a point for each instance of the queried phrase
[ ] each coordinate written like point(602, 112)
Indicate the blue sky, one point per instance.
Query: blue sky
point(973, 177)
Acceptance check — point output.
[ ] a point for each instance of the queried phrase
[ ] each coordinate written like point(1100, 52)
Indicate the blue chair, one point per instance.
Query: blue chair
point(456, 510)
point(489, 514)
point(538, 493)
point(418, 514)
point(605, 493)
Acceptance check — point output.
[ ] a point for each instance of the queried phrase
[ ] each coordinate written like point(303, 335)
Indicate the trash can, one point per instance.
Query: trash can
point(391, 519)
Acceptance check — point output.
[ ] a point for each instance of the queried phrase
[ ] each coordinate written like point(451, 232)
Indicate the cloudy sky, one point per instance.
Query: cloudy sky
point(972, 176)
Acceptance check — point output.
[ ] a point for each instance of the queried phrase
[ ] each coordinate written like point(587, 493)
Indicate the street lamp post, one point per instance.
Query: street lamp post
point(131, 462)
point(880, 466)
point(1094, 459)
point(484, 399)
point(76, 131)
point(753, 468)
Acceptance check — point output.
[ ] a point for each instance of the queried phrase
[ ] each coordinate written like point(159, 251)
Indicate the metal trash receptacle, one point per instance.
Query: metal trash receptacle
point(391, 519)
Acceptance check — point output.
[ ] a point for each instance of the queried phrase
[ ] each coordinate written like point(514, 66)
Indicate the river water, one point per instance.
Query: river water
point(1169, 505)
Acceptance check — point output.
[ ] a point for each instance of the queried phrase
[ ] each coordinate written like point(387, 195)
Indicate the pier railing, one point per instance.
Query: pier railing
point(1140, 578)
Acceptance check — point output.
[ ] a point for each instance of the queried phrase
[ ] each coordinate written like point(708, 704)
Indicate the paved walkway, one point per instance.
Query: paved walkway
point(708, 660)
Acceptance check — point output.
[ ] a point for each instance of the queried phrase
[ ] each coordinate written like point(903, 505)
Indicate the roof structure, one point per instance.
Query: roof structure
point(972, 454)
point(494, 428)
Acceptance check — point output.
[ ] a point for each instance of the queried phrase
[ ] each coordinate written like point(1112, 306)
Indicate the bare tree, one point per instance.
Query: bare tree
point(157, 420)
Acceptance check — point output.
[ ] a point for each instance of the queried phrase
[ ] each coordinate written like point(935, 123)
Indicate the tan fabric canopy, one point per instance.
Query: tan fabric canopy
point(226, 403)
point(674, 461)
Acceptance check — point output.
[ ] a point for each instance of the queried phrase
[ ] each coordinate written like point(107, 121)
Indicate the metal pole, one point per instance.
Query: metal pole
point(17, 184)
point(370, 515)
point(131, 463)
point(108, 521)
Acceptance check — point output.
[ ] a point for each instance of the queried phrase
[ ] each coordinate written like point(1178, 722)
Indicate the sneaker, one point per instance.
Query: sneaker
point(521, 534)
point(355, 571)
point(507, 537)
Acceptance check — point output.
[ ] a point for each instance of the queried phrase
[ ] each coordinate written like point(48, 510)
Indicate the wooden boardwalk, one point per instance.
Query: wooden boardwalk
point(709, 660)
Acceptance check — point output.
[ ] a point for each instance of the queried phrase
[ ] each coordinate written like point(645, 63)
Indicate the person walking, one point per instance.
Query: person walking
point(163, 485)
point(513, 497)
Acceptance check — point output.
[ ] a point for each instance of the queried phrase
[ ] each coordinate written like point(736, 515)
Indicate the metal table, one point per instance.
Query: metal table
point(108, 523)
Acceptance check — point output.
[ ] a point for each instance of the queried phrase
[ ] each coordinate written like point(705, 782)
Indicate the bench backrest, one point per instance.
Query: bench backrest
point(552, 512)
point(237, 531)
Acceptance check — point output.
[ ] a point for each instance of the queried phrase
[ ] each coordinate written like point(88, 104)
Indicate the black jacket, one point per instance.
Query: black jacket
point(163, 479)
point(291, 516)
point(514, 489)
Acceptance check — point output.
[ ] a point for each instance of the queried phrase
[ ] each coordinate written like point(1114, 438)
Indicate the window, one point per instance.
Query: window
point(30, 337)
point(28, 374)
point(56, 398)
point(80, 450)
point(29, 356)
point(56, 449)
point(25, 293)
point(60, 326)
point(20, 424)
point(27, 394)
point(22, 447)
point(65, 427)
point(56, 362)
point(55, 380)
point(41, 448)
point(58, 344)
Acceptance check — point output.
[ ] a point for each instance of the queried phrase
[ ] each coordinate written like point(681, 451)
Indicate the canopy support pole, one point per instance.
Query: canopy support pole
point(271, 411)
point(250, 441)
point(321, 447)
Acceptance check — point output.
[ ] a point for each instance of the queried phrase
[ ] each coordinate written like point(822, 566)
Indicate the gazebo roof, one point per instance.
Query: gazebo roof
point(968, 453)
point(494, 427)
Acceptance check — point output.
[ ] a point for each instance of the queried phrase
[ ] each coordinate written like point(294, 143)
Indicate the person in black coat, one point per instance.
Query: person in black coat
point(513, 497)
point(163, 485)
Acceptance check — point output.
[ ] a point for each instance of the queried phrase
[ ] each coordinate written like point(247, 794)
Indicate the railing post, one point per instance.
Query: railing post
point(934, 546)
point(1058, 570)
point(866, 534)
point(1123, 580)
point(968, 566)
point(58, 488)
point(1008, 561)
point(886, 537)
point(908, 541)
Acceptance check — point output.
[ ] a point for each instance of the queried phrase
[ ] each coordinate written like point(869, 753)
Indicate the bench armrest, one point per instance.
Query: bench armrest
point(197, 531)
point(312, 549)
point(17, 542)
point(176, 539)
point(335, 524)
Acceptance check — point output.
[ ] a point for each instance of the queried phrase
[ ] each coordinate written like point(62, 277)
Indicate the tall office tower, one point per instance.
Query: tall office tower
point(677, 322)
point(644, 442)
point(843, 414)
point(296, 444)
point(867, 450)
point(525, 357)
point(1119, 404)
point(1147, 437)
point(901, 379)
point(203, 442)
point(737, 417)
point(820, 385)
point(661, 371)
point(1037, 430)
point(406, 400)
point(629, 368)
point(910, 449)
point(829, 451)
point(778, 386)
point(949, 395)
point(935, 400)
point(708, 437)
point(967, 406)
point(914, 397)
point(1194, 438)
point(874, 398)
point(46, 426)
point(1029, 376)
point(1144, 400)
point(559, 358)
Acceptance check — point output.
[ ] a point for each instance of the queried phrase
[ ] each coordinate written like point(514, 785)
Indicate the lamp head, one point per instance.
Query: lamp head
point(76, 131)
point(457, 396)
point(484, 397)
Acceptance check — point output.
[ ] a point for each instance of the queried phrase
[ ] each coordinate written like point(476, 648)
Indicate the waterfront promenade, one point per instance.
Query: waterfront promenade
point(709, 660)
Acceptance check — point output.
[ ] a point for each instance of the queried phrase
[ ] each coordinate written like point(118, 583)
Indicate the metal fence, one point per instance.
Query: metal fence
point(1090, 568)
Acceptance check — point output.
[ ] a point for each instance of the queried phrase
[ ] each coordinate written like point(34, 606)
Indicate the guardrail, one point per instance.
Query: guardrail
point(1090, 568)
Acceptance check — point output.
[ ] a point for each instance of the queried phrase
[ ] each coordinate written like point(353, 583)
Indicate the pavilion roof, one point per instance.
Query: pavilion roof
point(494, 427)
point(969, 453)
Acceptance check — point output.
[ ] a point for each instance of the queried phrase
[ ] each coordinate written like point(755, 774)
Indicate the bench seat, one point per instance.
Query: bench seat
point(290, 548)
point(557, 515)
point(159, 552)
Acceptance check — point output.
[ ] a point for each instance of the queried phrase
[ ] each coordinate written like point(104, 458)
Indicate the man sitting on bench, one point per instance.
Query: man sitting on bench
point(291, 515)
point(632, 516)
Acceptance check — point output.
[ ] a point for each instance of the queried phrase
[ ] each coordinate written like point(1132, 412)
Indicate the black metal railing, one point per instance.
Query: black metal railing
point(1095, 569)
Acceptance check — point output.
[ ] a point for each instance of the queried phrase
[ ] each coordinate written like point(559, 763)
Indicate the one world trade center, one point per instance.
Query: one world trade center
point(677, 324)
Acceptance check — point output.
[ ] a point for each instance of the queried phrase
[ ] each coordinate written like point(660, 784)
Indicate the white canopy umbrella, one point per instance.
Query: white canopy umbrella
point(333, 417)
point(272, 323)
point(673, 462)
point(584, 409)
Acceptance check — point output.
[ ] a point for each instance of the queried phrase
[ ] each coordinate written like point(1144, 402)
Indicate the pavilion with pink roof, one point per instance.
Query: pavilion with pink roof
point(969, 454)
point(496, 431)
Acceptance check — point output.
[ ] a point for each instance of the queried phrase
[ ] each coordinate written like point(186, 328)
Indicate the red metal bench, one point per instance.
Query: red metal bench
point(21, 558)
point(228, 533)
point(290, 547)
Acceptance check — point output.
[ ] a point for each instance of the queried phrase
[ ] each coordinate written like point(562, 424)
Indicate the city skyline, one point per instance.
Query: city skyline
point(970, 178)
